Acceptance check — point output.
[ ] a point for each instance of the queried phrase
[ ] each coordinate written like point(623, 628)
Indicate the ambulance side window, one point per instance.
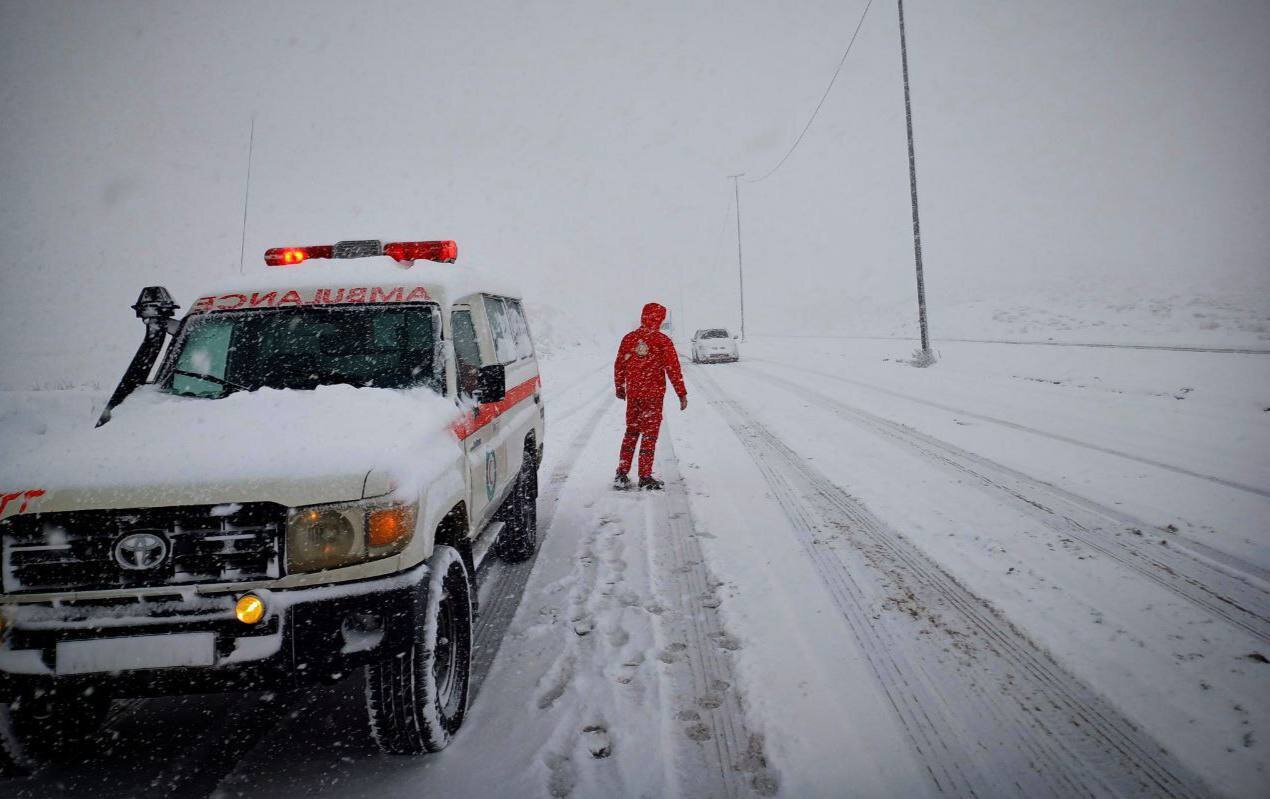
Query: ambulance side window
point(500, 327)
point(520, 327)
point(467, 352)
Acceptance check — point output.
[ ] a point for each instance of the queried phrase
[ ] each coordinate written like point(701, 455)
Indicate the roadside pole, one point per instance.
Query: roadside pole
point(740, 268)
point(926, 357)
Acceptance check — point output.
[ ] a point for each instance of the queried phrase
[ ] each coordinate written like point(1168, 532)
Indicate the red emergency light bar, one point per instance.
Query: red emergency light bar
point(444, 251)
point(290, 256)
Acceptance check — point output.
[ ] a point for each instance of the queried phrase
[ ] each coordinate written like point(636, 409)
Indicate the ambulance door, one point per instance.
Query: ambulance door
point(481, 446)
point(511, 428)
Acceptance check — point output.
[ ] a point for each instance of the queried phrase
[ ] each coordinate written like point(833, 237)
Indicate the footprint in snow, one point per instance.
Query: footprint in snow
point(597, 740)
point(618, 637)
point(626, 673)
point(563, 676)
point(698, 732)
point(562, 779)
point(726, 641)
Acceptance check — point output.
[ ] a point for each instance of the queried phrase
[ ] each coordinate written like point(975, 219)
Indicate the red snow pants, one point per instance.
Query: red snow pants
point(643, 422)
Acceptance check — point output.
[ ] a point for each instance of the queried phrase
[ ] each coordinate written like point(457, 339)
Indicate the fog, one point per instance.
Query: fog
point(583, 148)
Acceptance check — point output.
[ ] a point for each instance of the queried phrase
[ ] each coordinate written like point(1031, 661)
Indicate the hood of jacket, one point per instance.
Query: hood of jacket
point(652, 316)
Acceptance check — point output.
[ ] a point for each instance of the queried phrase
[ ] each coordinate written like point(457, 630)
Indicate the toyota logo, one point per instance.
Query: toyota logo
point(141, 551)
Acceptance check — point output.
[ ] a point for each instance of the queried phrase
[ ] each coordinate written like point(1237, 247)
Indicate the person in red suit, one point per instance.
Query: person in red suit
point(645, 359)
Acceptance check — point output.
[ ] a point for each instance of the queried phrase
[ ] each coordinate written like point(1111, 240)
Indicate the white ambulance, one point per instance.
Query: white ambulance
point(297, 479)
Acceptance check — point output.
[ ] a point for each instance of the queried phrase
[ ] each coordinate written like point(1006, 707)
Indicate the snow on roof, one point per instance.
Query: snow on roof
point(449, 281)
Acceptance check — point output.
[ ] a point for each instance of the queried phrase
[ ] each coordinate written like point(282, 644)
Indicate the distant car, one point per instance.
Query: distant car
point(714, 345)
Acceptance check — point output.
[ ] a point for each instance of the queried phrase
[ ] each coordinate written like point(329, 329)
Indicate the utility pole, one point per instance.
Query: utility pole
point(912, 182)
point(740, 265)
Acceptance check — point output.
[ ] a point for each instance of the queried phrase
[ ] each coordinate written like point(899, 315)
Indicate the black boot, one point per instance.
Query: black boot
point(651, 484)
point(622, 482)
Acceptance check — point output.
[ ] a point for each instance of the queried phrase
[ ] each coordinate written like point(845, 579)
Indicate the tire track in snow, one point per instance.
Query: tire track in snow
point(988, 713)
point(716, 718)
point(550, 398)
point(651, 628)
point(1261, 492)
point(502, 584)
point(1227, 588)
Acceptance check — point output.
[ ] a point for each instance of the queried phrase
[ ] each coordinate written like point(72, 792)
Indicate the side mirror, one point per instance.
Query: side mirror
point(492, 386)
point(156, 308)
point(155, 303)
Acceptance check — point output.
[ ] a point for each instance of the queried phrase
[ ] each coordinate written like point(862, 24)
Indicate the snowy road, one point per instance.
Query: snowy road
point(1047, 576)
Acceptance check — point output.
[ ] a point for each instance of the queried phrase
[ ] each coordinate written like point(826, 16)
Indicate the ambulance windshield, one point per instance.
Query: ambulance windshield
point(303, 348)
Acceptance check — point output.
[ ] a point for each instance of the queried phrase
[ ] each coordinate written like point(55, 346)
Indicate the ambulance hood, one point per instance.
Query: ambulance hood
point(333, 444)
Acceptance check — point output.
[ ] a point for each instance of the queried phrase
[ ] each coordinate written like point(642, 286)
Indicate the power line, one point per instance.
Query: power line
point(823, 97)
point(721, 239)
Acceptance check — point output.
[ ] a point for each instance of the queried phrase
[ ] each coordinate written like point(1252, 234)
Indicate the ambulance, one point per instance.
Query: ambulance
point(296, 480)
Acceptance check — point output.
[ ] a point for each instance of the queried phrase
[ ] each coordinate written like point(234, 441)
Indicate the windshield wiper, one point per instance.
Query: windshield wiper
point(210, 378)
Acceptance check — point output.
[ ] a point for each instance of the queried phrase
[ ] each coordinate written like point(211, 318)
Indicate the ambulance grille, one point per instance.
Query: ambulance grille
point(76, 551)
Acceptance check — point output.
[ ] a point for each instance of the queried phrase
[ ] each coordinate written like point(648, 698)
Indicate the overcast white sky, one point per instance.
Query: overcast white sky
point(584, 146)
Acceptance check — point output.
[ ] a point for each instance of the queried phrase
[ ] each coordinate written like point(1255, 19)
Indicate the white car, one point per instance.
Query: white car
point(306, 487)
point(713, 345)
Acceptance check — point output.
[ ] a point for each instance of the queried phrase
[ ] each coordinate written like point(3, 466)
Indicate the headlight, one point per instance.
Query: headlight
point(329, 536)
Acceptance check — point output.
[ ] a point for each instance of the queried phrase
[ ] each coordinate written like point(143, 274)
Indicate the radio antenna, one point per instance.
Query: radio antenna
point(251, 146)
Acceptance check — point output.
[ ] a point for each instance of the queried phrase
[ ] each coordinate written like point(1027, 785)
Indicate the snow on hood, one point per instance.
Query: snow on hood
point(288, 446)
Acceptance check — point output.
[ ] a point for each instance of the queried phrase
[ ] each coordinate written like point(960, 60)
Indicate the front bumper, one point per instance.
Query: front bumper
point(307, 635)
point(717, 357)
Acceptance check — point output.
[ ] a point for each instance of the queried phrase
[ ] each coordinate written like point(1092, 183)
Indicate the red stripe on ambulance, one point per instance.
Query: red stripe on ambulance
point(26, 496)
point(490, 411)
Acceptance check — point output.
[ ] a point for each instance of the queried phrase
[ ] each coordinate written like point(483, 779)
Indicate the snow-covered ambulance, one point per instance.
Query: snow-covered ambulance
point(302, 483)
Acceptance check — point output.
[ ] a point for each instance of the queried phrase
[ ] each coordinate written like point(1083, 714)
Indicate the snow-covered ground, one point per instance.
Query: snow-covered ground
point(1230, 315)
point(1030, 570)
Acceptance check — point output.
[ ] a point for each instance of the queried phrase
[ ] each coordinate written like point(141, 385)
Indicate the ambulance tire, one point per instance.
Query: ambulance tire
point(519, 538)
point(416, 700)
point(35, 731)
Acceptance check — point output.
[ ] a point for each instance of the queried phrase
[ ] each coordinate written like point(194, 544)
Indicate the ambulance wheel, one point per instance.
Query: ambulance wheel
point(519, 537)
point(35, 730)
point(416, 700)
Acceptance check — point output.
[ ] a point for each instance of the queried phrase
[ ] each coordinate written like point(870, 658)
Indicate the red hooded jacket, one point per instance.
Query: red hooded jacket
point(646, 358)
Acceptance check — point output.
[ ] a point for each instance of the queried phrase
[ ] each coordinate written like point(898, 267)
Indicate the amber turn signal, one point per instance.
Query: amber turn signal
point(389, 525)
point(250, 609)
